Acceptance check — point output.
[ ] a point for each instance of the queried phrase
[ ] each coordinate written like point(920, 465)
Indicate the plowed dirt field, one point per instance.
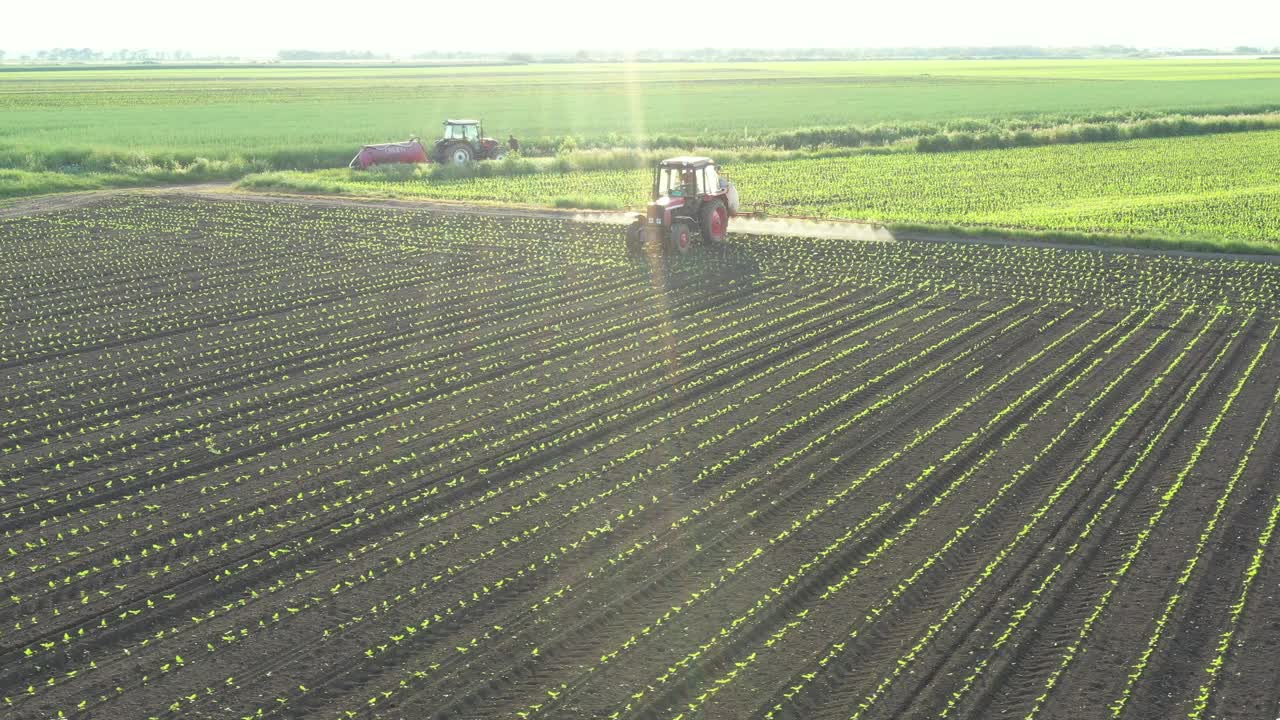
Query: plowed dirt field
point(272, 460)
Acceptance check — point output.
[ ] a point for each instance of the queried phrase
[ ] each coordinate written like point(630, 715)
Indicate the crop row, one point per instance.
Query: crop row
point(270, 460)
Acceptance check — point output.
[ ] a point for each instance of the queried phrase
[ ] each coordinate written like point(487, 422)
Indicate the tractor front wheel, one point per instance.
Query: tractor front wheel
point(498, 155)
point(681, 239)
point(715, 221)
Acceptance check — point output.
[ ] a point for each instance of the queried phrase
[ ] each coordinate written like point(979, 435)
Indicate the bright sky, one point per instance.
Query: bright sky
point(401, 27)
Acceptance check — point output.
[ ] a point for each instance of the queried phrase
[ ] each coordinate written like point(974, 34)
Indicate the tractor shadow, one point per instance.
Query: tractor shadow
point(712, 267)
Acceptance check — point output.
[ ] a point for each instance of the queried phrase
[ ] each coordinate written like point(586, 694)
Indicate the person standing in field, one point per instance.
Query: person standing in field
point(513, 143)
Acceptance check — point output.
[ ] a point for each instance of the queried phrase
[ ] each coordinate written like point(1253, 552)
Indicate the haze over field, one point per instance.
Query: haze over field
point(744, 360)
point(401, 27)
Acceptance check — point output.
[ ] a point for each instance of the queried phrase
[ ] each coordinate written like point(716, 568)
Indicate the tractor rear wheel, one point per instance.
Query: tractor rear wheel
point(458, 154)
point(681, 239)
point(715, 221)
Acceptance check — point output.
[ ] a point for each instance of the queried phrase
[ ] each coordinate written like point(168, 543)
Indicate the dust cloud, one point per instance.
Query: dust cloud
point(793, 227)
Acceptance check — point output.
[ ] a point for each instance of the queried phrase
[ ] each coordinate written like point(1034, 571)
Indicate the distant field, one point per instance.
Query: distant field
point(316, 117)
point(83, 128)
point(1220, 191)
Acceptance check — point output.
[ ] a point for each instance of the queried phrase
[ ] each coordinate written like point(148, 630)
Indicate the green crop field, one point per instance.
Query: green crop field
point(65, 129)
point(1219, 191)
point(270, 455)
point(316, 117)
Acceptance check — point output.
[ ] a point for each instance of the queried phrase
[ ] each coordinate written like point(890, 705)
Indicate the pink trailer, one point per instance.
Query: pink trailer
point(410, 151)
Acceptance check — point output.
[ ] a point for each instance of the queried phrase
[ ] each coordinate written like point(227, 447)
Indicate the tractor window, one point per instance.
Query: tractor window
point(668, 180)
point(679, 181)
point(462, 132)
point(711, 180)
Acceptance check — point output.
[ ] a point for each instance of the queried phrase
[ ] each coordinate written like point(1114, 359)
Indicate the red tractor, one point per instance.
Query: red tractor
point(461, 144)
point(691, 200)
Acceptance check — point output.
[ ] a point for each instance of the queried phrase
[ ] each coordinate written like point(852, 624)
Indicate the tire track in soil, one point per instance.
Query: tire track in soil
point(593, 597)
point(631, 565)
point(1248, 683)
point(1144, 583)
point(1173, 674)
point(290, 561)
point(246, 452)
point(1012, 569)
point(336, 293)
point(569, 662)
point(1064, 538)
point(54, 632)
point(1157, 442)
point(1022, 673)
point(945, 578)
point(440, 352)
point(409, 309)
point(834, 618)
point(327, 682)
point(236, 381)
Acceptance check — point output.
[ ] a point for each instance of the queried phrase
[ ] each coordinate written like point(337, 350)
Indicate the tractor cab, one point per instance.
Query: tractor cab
point(690, 199)
point(686, 177)
point(463, 141)
point(465, 130)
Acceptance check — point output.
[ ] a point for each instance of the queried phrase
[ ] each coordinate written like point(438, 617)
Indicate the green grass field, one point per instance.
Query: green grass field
point(82, 128)
point(289, 117)
point(1219, 191)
